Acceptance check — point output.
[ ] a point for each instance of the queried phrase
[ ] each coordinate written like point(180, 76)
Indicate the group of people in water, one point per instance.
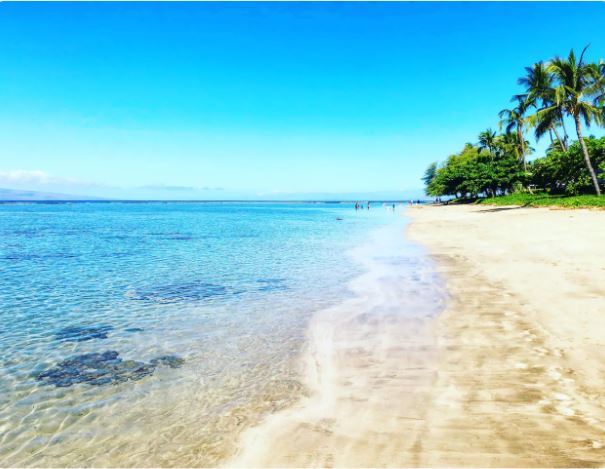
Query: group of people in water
point(360, 205)
point(366, 205)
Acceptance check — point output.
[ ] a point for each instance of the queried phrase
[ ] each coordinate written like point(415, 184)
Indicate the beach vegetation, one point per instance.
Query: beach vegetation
point(497, 164)
point(526, 199)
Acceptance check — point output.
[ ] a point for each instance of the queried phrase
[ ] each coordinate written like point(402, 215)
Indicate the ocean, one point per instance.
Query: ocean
point(153, 334)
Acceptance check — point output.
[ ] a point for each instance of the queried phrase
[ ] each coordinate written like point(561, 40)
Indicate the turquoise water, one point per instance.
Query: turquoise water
point(199, 308)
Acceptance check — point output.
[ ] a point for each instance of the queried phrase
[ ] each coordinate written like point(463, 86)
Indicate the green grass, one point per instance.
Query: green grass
point(545, 200)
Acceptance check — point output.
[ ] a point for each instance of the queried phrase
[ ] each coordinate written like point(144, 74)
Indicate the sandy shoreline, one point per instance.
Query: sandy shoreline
point(523, 338)
point(367, 368)
point(510, 374)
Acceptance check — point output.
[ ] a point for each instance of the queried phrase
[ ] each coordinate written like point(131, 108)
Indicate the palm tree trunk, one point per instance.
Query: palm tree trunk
point(521, 145)
point(561, 142)
point(565, 136)
point(593, 175)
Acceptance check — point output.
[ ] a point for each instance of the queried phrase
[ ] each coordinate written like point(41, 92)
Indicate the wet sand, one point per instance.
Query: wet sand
point(369, 368)
point(511, 373)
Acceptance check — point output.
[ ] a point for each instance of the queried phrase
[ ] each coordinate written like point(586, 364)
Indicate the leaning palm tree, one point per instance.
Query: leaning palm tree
point(546, 122)
point(514, 119)
point(578, 91)
point(539, 93)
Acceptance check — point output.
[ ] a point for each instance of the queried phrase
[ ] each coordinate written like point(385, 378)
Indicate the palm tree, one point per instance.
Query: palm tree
point(578, 93)
point(539, 93)
point(514, 119)
point(487, 140)
point(599, 100)
point(547, 121)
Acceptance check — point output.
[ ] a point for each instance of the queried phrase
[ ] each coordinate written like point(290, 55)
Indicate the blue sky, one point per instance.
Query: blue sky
point(261, 100)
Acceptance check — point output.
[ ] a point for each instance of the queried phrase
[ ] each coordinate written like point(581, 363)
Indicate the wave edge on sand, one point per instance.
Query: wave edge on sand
point(508, 375)
point(369, 366)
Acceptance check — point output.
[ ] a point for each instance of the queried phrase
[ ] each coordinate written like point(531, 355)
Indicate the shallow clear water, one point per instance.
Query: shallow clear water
point(224, 289)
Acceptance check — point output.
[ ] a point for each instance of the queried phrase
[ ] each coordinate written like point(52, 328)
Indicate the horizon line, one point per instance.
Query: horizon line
point(97, 201)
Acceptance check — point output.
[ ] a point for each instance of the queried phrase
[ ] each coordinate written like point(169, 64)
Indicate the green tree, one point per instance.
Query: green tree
point(578, 91)
point(475, 171)
point(565, 171)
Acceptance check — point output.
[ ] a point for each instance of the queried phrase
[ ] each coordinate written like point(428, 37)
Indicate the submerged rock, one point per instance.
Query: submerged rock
point(179, 237)
point(168, 360)
point(271, 284)
point(133, 329)
point(83, 333)
point(37, 257)
point(95, 369)
point(103, 368)
point(192, 291)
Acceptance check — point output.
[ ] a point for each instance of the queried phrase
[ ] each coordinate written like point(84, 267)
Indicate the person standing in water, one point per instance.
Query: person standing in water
point(368, 205)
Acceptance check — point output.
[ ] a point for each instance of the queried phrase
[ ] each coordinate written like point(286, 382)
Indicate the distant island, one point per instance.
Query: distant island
point(16, 195)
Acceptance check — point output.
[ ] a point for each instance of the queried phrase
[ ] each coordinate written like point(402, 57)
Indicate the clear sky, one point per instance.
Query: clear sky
point(247, 100)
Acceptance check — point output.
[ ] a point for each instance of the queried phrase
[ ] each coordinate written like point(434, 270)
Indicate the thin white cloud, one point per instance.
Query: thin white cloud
point(23, 177)
point(163, 187)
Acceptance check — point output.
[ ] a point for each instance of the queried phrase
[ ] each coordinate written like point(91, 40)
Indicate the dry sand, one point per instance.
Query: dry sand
point(512, 374)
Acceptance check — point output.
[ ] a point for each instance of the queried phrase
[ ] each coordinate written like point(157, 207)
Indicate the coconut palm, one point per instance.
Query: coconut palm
point(514, 119)
point(599, 100)
point(578, 92)
point(539, 93)
point(487, 140)
point(544, 121)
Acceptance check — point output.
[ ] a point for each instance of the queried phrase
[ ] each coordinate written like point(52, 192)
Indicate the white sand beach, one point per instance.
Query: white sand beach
point(510, 374)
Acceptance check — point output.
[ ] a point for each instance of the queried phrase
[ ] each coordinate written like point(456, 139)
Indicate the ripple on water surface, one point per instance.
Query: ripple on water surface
point(152, 334)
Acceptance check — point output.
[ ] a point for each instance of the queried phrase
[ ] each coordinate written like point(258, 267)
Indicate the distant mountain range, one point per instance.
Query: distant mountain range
point(18, 195)
point(26, 195)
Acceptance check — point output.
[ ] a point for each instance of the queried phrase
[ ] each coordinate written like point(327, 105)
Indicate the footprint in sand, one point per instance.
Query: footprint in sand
point(540, 351)
point(596, 444)
point(567, 411)
point(553, 372)
point(529, 336)
point(558, 353)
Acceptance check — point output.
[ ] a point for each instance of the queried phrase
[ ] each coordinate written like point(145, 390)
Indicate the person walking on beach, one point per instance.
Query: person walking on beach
point(368, 205)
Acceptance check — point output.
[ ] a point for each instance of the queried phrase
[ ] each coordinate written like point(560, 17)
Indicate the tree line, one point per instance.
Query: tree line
point(562, 89)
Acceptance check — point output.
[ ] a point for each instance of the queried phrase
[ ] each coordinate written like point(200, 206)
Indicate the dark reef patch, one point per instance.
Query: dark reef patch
point(83, 333)
point(192, 291)
point(37, 257)
point(168, 360)
point(27, 233)
point(133, 329)
point(119, 255)
point(271, 284)
point(103, 368)
point(177, 236)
